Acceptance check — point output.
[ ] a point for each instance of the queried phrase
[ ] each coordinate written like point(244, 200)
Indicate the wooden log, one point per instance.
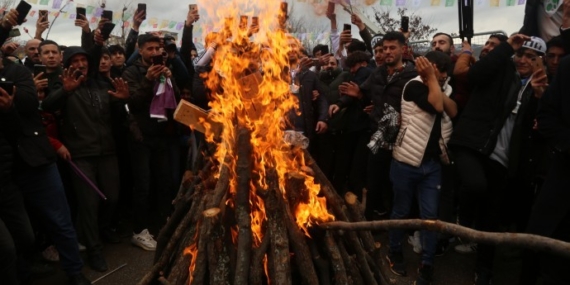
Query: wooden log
point(165, 235)
point(179, 273)
point(244, 241)
point(165, 257)
point(303, 255)
point(321, 264)
point(279, 243)
point(335, 258)
point(356, 214)
point(296, 190)
point(201, 265)
point(533, 242)
point(335, 202)
point(218, 257)
point(256, 270)
point(350, 263)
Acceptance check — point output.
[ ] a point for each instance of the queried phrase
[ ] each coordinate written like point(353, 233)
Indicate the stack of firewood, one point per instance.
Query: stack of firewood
point(196, 245)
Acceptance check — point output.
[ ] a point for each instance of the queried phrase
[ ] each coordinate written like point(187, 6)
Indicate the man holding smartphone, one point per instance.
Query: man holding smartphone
point(149, 137)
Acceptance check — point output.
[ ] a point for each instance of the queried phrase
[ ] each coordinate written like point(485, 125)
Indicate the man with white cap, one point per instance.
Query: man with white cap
point(493, 134)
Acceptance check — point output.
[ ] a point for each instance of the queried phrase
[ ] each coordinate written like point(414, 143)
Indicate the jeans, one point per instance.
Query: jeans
point(424, 182)
point(104, 172)
point(149, 159)
point(16, 233)
point(378, 182)
point(45, 198)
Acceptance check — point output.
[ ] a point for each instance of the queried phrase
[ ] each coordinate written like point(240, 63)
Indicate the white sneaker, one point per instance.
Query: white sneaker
point(466, 247)
point(415, 242)
point(144, 240)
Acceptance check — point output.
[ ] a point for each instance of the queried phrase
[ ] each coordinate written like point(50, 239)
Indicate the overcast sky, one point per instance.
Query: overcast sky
point(508, 19)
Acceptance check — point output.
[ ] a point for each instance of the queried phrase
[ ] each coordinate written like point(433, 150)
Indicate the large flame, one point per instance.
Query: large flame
point(259, 101)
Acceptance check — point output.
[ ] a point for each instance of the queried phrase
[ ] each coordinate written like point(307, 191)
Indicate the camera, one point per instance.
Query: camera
point(169, 43)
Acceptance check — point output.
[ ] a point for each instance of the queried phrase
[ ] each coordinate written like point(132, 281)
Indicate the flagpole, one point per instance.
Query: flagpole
point(56, 16)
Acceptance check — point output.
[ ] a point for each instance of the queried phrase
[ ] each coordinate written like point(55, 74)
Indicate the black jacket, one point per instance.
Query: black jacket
point(311, 111)
point(31, 141)
point(494, 87)
point(378, 90)
point(141, 93)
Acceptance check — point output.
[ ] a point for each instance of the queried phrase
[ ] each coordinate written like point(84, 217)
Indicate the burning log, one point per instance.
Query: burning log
point(242, 206)
point(256, 268)
point(339, 270)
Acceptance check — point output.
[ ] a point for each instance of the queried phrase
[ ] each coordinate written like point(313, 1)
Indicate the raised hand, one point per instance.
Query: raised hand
point(41, 25)
point(41, 83)
point(70, 81)
point(138, 18)
point(516, 41)
point(121, 88)
point(10, 20)
point(425, 69)
point(350, 89)
point(81, 21)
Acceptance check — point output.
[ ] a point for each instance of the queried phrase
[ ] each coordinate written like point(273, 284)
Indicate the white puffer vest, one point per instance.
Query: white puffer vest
point(415, 131)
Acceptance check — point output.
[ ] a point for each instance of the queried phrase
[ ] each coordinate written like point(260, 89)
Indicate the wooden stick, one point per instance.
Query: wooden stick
point(218, 257)
point(303, 255)
point(355, 211)
point(256, 275)
point(296, 190)
point(208, 221)
point(350, 263)
point(534, 242)
point(244, 241)
point(321, 264)
point(279, 244)
point(339, 270)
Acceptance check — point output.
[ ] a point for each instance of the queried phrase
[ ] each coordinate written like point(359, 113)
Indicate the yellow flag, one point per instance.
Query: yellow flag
point(494, 3)
point(435, 2)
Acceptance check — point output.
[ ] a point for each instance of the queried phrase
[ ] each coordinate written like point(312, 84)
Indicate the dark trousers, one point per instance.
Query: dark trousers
point(150, 159)
point(483, 184)
point(16, 235)
point(94, 213)
point(551, 217)
point(45, 198)
point(380, 193)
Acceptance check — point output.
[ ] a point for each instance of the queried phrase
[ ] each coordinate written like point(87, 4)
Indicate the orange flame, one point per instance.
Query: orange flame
point(249, 90)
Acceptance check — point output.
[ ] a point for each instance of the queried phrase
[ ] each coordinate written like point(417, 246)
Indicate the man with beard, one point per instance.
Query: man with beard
point(444, 43)
point(381, 93)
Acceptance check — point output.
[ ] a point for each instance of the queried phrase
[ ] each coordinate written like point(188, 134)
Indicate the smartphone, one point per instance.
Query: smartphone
point(39, 68)
point(107, 29)
point(158, 59)
point(347, 27)
point(107, 14)
point(15, 32)
point(538, 64)
point(142, 7)
point(8, 86)
point(80, 11)
point(23, 10)
point(43, 14)
point(193, 8)
point(405, 23)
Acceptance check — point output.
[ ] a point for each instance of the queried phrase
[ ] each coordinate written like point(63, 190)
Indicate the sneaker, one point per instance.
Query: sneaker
point(78, 279)
point(425, 276)
point(415, 242)
point(144, 240)
point(97, 262)
point(470, 247)
point(397, 265)
point(50, 254)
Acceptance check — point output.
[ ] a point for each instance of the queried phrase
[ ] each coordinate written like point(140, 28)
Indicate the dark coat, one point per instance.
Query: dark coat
point(553, 202)
point(311, 111)
point(530, 23)
point(33, 147)
point(495, 85)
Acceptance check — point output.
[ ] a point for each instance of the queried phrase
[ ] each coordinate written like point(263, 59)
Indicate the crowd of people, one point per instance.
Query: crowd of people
point(447, 135)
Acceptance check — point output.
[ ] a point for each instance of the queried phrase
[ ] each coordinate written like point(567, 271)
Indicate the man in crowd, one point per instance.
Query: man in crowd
point(148, 142)
point(444, 43)
point(381, 93)
point(492, 133)
point(555, 50)
point(416, 168)
point(85, 102)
